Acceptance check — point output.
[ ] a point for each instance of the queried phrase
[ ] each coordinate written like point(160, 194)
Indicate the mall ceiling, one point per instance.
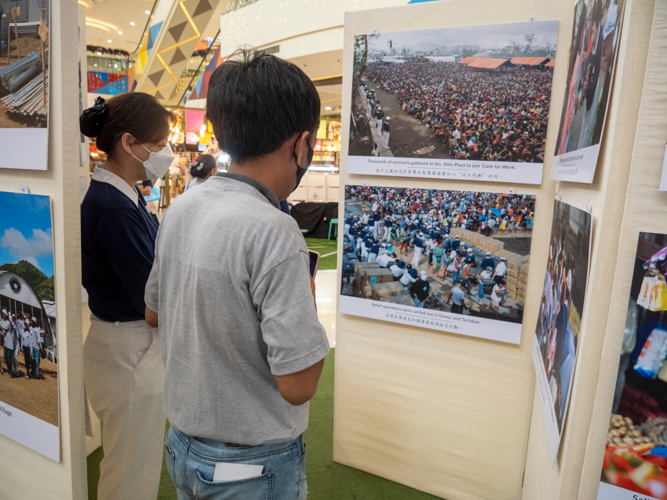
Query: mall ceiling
point(119, 24)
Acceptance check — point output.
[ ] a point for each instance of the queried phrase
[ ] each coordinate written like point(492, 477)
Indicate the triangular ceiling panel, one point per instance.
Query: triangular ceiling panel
point(202, 8)
point(177, 31)
point(159, 96)
point(177, 57)
point(155, 77)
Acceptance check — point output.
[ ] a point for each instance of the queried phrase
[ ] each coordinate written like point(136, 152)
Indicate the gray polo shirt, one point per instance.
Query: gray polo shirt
point(231, 285)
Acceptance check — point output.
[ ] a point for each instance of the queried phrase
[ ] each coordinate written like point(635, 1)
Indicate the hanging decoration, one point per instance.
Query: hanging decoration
point(105, 51)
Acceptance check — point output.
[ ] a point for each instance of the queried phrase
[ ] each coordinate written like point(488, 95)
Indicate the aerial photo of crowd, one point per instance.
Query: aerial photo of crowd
point(479, 114)
point(419, 236)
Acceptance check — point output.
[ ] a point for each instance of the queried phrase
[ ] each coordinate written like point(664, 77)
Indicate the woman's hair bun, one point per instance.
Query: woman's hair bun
point(91, 121)
point(202, 165)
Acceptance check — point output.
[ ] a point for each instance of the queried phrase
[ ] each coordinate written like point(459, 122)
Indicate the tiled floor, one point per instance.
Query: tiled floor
point(327, 302)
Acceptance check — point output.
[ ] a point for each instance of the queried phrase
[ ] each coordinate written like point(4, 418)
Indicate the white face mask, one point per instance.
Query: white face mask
point(158, 163)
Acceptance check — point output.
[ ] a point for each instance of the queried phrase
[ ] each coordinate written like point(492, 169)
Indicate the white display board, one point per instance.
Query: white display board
point(397, 385)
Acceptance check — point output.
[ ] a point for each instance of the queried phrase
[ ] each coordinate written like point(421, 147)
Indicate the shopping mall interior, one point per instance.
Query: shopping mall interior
point(333, 249)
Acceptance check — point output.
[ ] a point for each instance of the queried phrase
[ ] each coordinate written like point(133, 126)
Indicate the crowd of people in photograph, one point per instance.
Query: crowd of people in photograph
point(21, 333)
point(424, 222)
point(495, 115)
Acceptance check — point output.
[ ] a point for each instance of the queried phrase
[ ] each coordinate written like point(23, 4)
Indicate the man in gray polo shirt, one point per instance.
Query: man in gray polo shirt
point(231, 290)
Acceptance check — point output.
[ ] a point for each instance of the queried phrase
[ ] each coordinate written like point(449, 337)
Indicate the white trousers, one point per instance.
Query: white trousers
point(417, 256)
point(385, 136)
point(379, 125)
point(124, 376)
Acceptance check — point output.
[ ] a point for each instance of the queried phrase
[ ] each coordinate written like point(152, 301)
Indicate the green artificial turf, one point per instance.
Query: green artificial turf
point(324, 247)
point(326, 479)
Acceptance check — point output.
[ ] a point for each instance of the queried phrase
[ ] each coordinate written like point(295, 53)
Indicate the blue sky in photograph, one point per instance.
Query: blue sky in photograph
point(25, 230)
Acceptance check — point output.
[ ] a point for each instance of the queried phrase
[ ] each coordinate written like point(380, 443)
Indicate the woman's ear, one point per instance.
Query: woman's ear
point(127, 142)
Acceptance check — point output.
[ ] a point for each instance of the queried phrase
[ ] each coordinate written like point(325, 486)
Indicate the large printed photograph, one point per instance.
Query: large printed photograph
point(28, 356)
point(460, 258)
point(593, 52)
point(474, 95)
point(24, 83)
point(636, 452)
point(558, 327)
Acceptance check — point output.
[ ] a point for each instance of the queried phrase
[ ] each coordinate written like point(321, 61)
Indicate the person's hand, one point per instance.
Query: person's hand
point(312, 289)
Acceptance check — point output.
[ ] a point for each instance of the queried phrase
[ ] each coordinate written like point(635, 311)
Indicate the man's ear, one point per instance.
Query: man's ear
point(301, 147)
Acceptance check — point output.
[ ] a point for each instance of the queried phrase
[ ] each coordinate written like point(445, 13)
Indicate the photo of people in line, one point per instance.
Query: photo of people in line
point(595, 36)
point(28, 357)
point(562, 305)
point(462, 252)
point(474, 92)
point(636, 451)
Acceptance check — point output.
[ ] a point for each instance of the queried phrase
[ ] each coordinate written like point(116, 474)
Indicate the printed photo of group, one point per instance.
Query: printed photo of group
point(461, 252)
point(28, 357)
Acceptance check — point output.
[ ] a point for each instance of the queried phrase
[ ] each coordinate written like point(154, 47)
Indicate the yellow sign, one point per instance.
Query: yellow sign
point(322, 131)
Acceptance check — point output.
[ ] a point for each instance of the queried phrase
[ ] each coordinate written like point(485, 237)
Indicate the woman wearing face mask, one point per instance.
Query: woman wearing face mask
point(124, 372)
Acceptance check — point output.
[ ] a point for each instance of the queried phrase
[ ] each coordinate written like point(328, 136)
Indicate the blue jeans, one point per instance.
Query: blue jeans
point(35, 359)
point(480, 290)
point(456, 277)
point(419, 303)
point(191, 463)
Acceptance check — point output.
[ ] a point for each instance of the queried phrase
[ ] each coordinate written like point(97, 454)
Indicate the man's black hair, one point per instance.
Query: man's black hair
point(257, 101)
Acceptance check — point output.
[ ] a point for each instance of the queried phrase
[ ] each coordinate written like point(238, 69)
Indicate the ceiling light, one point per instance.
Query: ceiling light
point(95, 65)
point(99, 53)
point(109, 40)
point(131, 23)
point(95, 23)
point(328, 108)
point(120, 32)
point(147, 12)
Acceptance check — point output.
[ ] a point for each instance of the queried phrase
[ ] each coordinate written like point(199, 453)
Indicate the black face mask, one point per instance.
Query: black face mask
point(300, 171)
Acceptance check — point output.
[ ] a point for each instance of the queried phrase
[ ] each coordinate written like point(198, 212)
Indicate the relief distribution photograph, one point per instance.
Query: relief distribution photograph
point(28, 358)
point(595, 36)
point(453, 261)
point(465, 103)
point(561, 309)
point(636, 453)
